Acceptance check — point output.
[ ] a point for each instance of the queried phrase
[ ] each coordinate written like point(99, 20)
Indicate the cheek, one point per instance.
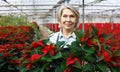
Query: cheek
point(62, 21)
point(74, 20)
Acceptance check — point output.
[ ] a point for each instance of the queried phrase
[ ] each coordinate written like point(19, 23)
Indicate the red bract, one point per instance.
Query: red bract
point(6, 54)
point(70, 61)
point(2, 48)
point(40, 43)
point(37, 44)
point(18, 46)
point(118, 62)
point(34, 44)
point(28, 65)
point(101, 39)
point(15, 62)
point(90, 42)
point(48, 49)
point(68, 70)
point(83, 39)
point(16, 34)
point(106, 55)
point(35, 57)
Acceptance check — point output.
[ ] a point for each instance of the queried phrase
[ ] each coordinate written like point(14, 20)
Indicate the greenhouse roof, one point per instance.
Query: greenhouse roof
point(46, 8)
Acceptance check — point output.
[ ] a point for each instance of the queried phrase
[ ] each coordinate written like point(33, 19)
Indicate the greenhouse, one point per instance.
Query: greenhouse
point(59, 35)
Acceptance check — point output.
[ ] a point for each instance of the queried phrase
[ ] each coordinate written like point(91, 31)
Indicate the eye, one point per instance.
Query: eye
point(65, 16)
point(72, 16)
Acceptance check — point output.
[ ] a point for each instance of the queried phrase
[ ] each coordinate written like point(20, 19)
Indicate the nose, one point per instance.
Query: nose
point(68, 18)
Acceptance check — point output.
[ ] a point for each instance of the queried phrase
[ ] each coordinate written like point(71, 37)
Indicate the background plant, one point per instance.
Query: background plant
point(12, 20)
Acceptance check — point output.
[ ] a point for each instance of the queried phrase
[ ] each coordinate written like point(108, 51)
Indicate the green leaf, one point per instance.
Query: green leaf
point(77, 65)
point(25, 61)
point(58, 55)
point(22, 69)
point(89, 51)
point(46, 58)
point(59, 45)
point(107, 36)
point(45, 41)
point(87, 68)
point(75, 48)
point(102, 67)
point(10, 67)
point(110, 53)
point(115, 69)
point(79, 34)
point(100, 57)
point(117, 53)
point(94, 31)
point(44, 66)
point(91, 58)
point(59, 69)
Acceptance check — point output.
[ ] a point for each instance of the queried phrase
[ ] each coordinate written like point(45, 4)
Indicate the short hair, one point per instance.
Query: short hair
point(68, 6)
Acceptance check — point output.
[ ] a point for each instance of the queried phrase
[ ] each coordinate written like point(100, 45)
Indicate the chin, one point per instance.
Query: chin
point(68, 28)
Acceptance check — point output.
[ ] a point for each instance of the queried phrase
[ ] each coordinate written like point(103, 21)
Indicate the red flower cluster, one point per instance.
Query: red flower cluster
point(16, 34)
point(101, 43)
point(106, 56)
point(70, 62)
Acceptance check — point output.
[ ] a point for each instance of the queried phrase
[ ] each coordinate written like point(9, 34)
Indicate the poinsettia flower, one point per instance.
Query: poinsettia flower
point(29, 65)
point(36, 44)
point(5, 54)
point(118, 62)
point(2, 48)
point(35, 57)
point(71, 61)
point(15, 61)
point(68, 70)
point(106, 55)
point(99, 33)
point(19, 46)
point(48, 49)
point(83, 39)
point(101, 39)
point(90, 42)
point(24, 55)
point(40, 43)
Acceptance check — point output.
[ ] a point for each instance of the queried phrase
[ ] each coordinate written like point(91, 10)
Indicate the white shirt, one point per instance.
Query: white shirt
point(58, 35)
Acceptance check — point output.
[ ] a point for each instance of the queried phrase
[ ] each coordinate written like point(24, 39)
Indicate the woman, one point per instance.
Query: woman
point(68, 18)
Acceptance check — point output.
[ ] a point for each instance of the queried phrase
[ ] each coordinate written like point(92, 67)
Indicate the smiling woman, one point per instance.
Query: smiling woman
point(68, 18)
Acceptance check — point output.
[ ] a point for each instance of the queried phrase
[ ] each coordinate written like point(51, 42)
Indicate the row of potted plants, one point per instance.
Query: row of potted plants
point(90, 53)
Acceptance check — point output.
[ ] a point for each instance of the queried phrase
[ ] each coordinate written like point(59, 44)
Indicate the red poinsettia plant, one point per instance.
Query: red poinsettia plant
point(99, 55)
point(90, 53)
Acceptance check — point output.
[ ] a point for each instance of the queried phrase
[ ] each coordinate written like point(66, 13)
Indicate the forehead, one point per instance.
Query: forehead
point(67, 11)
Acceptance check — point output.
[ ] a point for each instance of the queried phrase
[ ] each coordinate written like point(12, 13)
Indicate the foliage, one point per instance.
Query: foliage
point(90, 53)
point(12, 20)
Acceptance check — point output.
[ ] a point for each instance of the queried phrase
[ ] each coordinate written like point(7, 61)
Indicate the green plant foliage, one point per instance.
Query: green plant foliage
point(11, 20)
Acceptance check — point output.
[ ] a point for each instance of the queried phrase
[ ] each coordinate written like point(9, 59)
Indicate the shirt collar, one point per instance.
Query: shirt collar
point(71, 36)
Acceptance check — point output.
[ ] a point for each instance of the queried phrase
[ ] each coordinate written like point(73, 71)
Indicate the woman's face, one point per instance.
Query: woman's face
point(68, 19)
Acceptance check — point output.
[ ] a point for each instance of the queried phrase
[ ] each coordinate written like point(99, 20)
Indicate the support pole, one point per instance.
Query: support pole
point(83, 28)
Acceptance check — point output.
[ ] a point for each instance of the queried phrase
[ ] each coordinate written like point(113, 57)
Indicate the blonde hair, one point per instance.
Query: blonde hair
point(68, 6)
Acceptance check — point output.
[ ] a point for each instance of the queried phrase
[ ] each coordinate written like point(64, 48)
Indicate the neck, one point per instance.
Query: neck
point(67, 33)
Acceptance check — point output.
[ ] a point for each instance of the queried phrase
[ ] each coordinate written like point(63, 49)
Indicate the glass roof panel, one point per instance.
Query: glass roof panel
point(44, 8)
